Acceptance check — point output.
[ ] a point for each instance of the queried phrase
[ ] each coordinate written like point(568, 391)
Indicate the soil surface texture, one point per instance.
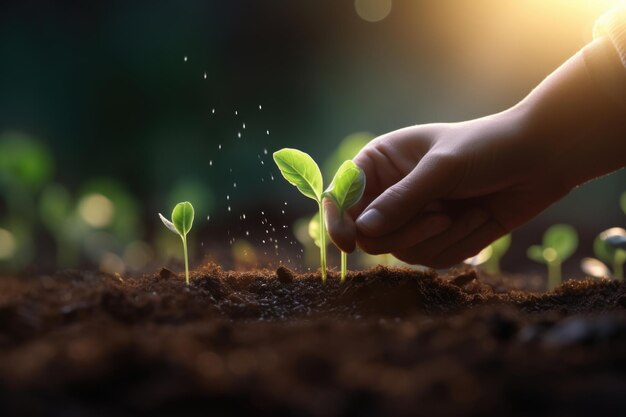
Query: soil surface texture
point(388, 342)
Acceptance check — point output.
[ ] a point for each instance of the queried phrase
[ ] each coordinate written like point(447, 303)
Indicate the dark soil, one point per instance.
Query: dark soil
point(389, 342)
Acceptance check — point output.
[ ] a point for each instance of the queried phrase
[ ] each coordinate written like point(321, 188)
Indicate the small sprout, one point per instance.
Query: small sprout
point(559, 243)
point(607, 248)
point(182, 220)
point(346, 190)
point(489, 257)
point(300, 170)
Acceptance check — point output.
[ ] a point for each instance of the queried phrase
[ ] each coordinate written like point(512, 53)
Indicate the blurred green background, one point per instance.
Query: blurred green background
point(111, 112)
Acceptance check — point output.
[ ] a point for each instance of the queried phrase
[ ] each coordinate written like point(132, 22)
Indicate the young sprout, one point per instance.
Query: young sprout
point(346, 189)
point(559, 243)
point(300, 170)
point(489, 257)
point(606, 249)
point(182, 220)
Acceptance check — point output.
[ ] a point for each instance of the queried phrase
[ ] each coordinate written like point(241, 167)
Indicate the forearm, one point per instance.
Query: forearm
point(579, 123)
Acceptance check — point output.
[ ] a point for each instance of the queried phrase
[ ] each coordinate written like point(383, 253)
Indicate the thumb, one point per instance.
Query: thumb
point(340, 226)
point(430, 180)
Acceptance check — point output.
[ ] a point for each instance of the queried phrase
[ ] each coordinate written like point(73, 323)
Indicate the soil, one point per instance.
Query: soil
point(388, 342)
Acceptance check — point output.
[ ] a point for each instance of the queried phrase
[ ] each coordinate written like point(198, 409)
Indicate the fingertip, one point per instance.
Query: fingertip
point(371, 223)
point(340, 226)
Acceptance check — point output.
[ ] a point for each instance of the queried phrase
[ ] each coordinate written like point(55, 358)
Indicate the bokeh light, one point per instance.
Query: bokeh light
point(7, 244)
point(373, 10)
point(96, 210)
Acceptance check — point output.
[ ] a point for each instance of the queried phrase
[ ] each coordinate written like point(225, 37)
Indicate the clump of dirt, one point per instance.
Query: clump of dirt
point(388, 342)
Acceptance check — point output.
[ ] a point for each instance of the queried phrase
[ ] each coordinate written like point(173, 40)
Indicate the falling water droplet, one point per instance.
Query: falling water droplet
point(228, 208)
point(239, 135)
point(208, 217)
point(260, 108)
point(205, 75)
point(267, 132)
point(185, 58)
point(227, 197)
point(211, 163)
point(234, 185)
point(265, 151)
point(244, 125)
point(244, 216)
point(236, 113)
point(219, 146)
point(212, 111)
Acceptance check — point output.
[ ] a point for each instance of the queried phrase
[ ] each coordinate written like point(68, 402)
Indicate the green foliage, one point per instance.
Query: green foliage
point(345, 190)
point(24, 162)
point(559, 243)
point(182, 221)
point(610, 254)
point(300, 170)
point(347, 186)
point(314, 231)
point(182, 217)
point(622, 202)
point(194, 190)
point(55, 206)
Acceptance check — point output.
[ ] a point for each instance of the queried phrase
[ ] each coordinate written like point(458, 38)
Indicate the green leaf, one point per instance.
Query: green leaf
point(182, 217)
point(535, 252)
point(563, 239)
point(347, 186)
point(300, 169)
point(349, 147)
point(500, 246)
point(55, 206)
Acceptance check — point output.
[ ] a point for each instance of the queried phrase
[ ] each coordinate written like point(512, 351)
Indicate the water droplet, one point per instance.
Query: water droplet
point(211, 163)
point(272, 177)
point(239, 135)
point(283, 211)
point(185, 58)
point(247, 233)
point(205, 75)
point(244, 125)
point(212, 111)
point(227, 197)
point(244, 216)
point(265, 151)
point(228, 208)
point(236, 113)
point(260, 108)
point(208, 217)
point(285, 203)
point(262, 163)
point(267, 132)
point(219, 146)
point(234, 185)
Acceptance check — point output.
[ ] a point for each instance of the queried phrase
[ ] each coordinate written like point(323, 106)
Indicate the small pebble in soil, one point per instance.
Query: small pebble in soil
point(284, 275)
point(464, 278)
point(165, 273)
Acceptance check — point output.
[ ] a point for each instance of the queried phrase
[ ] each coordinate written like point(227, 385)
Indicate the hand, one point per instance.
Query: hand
point(437, 194)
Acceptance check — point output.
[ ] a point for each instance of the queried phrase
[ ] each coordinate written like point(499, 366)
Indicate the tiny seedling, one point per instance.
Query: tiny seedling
point(300, 170)
point(559, 243)
point(346, 190)
point(182, 220)
point(610, 253)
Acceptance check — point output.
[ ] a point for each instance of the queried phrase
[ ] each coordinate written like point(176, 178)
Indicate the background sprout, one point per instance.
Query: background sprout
point(559, 243)
point(300, 170)
point(346, 189)
point(489, 257)
point(347, 149)
point(182, 220)
point(609, 252)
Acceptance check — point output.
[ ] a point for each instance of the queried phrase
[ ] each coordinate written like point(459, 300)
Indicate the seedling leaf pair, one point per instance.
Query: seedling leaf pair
point(347, 187)
point(559, 243)
point(182, 220)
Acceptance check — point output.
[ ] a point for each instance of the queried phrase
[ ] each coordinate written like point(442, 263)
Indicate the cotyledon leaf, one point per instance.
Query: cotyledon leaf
point(182, 217)
point(347, 186)
point(300, 170)
point(168, 224)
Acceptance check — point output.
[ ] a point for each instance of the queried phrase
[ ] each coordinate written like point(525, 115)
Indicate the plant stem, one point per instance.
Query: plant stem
point(554, 274)
point(492, 266)
point(618, 268)
point(184, 238)
point(344, 265)
point(322, 241)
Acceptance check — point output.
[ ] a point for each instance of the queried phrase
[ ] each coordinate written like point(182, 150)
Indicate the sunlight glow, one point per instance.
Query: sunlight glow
point(372, 10)
point(7, 244)
point(96, 210)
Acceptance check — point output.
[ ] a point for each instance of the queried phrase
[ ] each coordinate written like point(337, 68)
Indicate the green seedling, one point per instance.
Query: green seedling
point(182, 220)
point(489, 257)
point(300, 170)
point(559, 243)
point(609, 252)
point(346, 190)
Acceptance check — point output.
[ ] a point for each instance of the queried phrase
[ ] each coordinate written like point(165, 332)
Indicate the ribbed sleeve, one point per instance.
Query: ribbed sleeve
point(605, 57)
point(613, 26)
